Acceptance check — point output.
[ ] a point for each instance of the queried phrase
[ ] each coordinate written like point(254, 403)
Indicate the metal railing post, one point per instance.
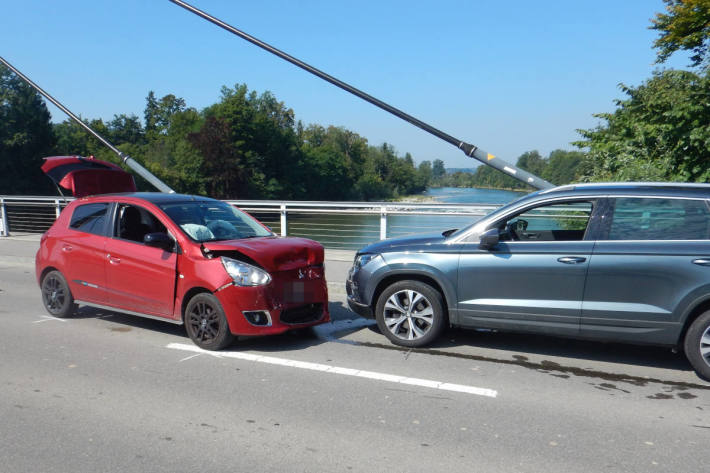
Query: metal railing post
point(383, 222)
point(57, 207)
point(4, 230)
point(284, 223)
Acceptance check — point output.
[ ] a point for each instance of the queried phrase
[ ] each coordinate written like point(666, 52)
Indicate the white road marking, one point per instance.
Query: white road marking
point(427, 383)
point(190, 357)
point(47, 318)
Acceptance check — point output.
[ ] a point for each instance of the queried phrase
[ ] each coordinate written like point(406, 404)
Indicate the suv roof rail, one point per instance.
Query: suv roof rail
point(626, 185)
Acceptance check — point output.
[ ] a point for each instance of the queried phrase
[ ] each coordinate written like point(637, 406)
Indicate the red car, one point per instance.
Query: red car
point(183, 259)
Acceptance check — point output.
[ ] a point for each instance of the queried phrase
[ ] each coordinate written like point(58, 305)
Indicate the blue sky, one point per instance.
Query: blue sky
point(506, 76)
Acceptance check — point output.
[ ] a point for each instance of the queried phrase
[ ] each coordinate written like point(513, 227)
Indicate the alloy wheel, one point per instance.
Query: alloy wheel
point(204, 322)
point(54, 294)
point(705, 346)
point(408, 314)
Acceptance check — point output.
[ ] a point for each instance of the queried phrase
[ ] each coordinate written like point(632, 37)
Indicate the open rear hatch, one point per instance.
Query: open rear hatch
point(87, 176)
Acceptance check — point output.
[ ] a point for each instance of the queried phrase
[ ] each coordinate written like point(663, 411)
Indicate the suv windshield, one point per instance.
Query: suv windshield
point(213, 221)
point(501, 209)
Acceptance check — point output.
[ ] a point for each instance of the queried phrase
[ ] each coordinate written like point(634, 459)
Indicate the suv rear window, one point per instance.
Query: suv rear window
point(89, 218)
point(660, 219)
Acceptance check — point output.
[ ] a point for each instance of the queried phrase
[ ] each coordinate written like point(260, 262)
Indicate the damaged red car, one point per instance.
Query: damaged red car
point(184, 259)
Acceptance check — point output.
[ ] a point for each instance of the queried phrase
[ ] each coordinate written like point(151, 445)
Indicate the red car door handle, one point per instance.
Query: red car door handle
point(67, 248)
point(571, 259)
point(113, 259)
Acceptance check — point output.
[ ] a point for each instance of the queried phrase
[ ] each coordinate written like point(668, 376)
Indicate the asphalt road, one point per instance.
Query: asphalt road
point(107, 392)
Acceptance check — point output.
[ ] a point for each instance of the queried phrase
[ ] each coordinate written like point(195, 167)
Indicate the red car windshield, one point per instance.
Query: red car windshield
point(213, 221)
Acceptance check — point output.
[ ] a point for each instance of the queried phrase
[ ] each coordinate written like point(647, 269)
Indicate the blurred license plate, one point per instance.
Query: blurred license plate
point(295, 291)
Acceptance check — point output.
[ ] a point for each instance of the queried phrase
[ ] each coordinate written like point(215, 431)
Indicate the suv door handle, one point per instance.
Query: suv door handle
point(702, 261)
point(113, 259)
point(572, 259)
point(67, 248)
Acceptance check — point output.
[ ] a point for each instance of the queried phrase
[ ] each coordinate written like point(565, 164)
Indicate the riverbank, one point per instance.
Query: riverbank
point(463, 195)
point(418, 199)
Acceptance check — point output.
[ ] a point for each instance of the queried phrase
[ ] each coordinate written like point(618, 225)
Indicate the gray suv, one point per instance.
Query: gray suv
point(624, 262)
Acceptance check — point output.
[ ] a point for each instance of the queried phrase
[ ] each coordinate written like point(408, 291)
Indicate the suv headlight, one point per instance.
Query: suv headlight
point(362, 260)
point(245, 274)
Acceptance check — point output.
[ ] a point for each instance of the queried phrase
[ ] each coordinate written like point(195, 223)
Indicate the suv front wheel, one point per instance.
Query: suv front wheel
point(410, 313)
point(697, 345)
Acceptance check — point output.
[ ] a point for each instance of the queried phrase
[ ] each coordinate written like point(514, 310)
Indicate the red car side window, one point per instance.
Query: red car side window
point(89, 218)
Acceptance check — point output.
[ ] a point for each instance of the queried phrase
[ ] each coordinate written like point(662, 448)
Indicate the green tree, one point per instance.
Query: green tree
point(172, 157)
point(424, 173)
point(661, 131)
point(564, 167)
point(151, 112)
point(25, 137)
point(263, 141)
point(532, 162)
point(158, 113)
point(125, 129)
point(334, 159)
point(686, 27)
point(228, 179)
point(438, 171)
point(72, 139)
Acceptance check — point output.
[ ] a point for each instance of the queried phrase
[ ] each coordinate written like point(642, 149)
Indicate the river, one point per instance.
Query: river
point(471, 195)
point(355, 231)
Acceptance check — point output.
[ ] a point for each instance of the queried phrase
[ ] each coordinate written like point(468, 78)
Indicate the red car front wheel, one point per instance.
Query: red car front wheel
point(206, 323)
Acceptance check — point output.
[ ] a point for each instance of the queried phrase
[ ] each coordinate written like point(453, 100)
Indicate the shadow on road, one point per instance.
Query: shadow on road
point(291, 340)
point(523, 350)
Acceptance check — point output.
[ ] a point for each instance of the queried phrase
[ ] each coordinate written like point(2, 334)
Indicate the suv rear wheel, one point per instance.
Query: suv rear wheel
point(410, 313)
point(697, 345)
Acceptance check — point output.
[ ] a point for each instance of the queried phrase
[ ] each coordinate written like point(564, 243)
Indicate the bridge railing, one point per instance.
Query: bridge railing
point(339, 225)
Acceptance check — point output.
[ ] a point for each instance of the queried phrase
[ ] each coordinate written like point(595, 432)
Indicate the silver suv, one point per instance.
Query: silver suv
point(624, 262)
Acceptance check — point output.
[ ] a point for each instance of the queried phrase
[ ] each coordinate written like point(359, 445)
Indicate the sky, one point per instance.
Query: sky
point(509, 76)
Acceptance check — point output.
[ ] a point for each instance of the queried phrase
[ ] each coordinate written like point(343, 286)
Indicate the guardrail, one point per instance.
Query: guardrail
point(338, 225)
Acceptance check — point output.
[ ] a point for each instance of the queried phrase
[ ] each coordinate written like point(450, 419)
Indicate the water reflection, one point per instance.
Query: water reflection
point(353, 231)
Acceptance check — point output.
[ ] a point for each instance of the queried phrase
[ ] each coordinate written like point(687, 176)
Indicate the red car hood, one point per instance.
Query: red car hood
point(274, 253)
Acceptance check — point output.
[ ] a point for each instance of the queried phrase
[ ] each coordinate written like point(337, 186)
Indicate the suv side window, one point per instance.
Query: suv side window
point(133, 223)
point(89, 218)
point(659, 219)
point(560, 221)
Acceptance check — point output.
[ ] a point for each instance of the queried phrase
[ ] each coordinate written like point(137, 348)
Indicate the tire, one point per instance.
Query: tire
point(206, 323)
point(56, 295)
point(407, 327)
point(697, 345)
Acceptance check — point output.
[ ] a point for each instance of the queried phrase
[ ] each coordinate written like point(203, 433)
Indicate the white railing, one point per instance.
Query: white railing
point(346, 225)
point(29, 214)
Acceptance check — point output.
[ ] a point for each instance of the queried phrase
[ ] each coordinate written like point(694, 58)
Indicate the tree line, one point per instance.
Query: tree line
point(250, 145)
point(245, 146)
point(559, 167)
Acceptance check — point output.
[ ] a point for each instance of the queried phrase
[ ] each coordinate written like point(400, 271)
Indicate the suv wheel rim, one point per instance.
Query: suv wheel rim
point(204, 322)
point(409, 315)
point(705, 346)
point(54, 294)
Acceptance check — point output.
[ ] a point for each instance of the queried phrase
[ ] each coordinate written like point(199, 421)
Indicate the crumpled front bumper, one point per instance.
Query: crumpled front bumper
point(291, 303)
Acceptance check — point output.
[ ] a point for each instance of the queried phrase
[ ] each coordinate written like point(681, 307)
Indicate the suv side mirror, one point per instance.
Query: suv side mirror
point(159, 240)
point(489, 239)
